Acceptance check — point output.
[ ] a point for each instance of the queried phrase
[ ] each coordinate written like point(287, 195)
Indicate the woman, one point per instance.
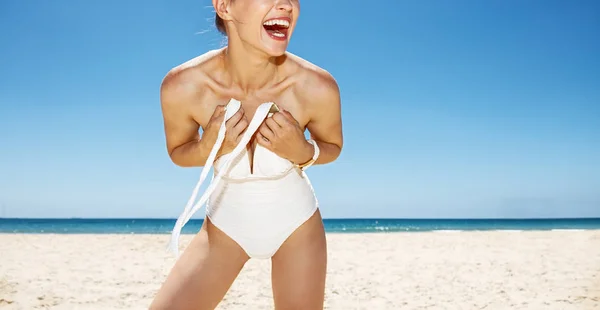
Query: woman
point(264, 206)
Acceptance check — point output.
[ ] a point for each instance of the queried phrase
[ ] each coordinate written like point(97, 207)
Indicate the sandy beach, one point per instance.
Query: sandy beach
point(428, 270)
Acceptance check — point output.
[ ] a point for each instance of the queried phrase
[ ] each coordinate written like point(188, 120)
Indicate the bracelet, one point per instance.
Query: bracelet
point(309, 163)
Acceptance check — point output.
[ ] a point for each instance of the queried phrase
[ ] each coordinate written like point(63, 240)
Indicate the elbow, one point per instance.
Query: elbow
point(177, 162)
point(330, 153)
point(180, 162)
point(184, 162)
point(336, 149)
point(336, 154)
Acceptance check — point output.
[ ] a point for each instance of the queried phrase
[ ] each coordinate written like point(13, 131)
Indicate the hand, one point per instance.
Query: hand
point(235, 127)
point(282, 135)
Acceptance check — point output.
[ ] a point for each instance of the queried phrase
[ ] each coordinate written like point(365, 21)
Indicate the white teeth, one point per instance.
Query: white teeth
point(280, 22)
point(278, 34)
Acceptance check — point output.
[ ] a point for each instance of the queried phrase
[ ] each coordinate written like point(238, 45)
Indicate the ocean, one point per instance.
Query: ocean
point(164, 226)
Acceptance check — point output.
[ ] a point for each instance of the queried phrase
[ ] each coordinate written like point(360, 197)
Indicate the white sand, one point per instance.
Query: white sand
point(434, 270)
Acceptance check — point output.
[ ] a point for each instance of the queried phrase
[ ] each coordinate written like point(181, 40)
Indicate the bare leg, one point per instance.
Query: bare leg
point(299, 268)
point(203, 273)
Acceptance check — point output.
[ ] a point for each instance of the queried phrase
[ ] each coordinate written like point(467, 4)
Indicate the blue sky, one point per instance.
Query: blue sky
point(450, 108)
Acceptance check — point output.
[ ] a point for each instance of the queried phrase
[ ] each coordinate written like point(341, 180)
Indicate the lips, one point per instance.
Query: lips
point(277, 28)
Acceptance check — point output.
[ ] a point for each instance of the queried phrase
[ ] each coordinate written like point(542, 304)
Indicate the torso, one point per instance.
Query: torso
point(206, 81)
point(192, 91)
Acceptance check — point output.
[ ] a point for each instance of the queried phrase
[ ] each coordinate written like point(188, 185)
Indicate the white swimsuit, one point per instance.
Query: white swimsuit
point(259, 210)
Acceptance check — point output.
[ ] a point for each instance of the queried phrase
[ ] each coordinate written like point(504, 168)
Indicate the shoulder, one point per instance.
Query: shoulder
point(315, 84)
point(186, 80)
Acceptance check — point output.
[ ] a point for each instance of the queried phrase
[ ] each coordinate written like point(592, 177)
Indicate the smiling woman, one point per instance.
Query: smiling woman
point(253, 101)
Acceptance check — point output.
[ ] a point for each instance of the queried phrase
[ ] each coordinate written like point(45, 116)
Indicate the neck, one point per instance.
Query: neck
point(248, 69)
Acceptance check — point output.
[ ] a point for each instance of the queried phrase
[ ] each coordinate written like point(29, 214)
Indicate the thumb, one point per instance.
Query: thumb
point(218, 112)
point(290, 116)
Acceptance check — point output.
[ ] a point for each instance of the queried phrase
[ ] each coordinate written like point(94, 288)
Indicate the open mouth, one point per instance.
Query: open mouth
point(277, 28)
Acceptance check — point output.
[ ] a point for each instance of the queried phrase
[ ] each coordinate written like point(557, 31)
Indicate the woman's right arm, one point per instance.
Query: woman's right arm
point(184, 145)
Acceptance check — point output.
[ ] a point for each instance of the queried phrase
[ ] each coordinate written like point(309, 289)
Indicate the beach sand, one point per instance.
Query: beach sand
point(430, 270)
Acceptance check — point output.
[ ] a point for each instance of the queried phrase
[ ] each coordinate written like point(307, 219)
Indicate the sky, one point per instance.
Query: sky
point(450, 109)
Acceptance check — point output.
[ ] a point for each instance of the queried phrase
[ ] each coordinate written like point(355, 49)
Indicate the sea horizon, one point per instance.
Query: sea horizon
point(332, 225)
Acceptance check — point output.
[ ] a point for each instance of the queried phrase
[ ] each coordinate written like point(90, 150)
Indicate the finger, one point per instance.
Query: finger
point(217, 117)
point(219, 111)
point(266, 132)
point(240, 135)
point(240, 127)
point(235, 118)
point(289, 117)
point(280, 119)
point(262, 140)
point(272, 124)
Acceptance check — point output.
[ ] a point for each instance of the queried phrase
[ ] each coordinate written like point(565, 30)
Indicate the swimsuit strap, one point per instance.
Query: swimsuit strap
point(232, 107)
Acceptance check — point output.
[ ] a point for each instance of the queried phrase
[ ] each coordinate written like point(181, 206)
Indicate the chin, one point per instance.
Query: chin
point(276, 52)
point(273, 49)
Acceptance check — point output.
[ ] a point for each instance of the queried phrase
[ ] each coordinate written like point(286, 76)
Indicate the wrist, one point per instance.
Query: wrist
point(204, 147)
point(313, 159)
point(307, 153)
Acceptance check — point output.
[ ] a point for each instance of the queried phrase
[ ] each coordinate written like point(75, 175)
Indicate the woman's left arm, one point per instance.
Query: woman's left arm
point(325, 124)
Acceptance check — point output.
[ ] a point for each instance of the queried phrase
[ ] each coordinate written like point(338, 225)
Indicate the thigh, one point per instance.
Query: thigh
point(299, 268)
point(203, 273)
